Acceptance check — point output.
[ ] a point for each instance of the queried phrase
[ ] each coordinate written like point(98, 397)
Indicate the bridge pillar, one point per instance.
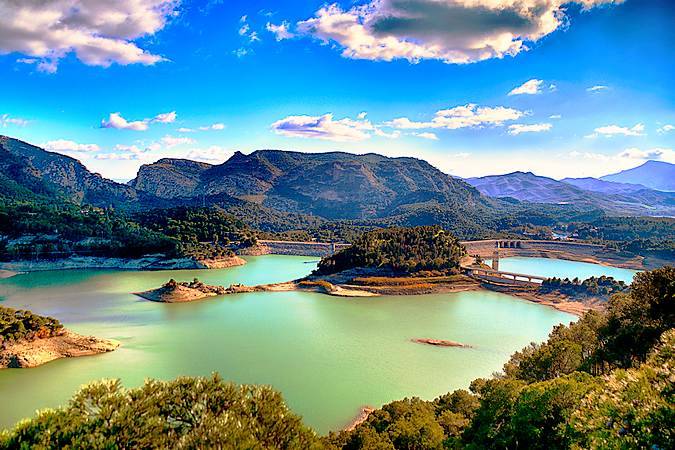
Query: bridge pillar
point(495, 260)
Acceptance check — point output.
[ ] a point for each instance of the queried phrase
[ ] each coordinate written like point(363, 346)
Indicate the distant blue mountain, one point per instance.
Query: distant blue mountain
point(658, 175)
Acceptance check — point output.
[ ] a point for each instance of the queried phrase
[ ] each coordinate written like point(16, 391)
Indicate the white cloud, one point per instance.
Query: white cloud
point(244, 29)
point(454, 31)
point(466, 116)
point(518, 128)
point(241, 52)
point(393, 135)
point(213, 155)
point(186, 130)
point(614, 130)
point(324, 127)
point(663, 154)
point(169, 117)
point(115, 120)
point(7, 120)
point(597, 88)
point(213, 127)
point(280, 31)
point(171, 141)
point(555, 116)
point(426, 135)
point(362, 115)
point(63, 145)
point(665, 129)
point(99, 33)
point(531, 87)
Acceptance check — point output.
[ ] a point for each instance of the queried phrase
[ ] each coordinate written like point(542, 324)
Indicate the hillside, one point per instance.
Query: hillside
point(606, 187)
point(653, 174)
point(613, 198)
point(331, 185)
point(29, 171)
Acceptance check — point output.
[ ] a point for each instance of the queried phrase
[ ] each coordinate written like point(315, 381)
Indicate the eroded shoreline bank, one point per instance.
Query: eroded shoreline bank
point(32, 353)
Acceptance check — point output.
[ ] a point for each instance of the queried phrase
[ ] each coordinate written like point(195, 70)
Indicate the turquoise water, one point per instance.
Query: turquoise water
point(546, 267)
point(328, 356)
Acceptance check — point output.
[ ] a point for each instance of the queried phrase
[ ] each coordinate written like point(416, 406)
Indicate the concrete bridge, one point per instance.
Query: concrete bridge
point(491, 275)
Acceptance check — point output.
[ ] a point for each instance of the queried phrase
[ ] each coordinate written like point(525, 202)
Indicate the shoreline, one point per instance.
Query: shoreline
point(7, 274)
point(27, 354)
point(150, 262)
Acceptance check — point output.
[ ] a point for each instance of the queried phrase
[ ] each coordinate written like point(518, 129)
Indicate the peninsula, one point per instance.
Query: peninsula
point(30, 340)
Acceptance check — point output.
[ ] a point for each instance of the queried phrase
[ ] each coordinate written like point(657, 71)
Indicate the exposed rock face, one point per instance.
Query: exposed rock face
point(170, 178)
point(32, 353)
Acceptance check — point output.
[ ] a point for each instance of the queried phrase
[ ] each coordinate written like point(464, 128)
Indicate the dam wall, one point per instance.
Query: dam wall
point(573, 251)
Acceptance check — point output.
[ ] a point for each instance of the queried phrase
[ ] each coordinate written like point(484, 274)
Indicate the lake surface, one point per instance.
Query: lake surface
point(328, 356)
point(547, 267)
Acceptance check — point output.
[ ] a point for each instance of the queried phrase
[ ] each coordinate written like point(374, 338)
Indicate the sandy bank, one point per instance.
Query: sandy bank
point(40, 351)
point(6, 274)
point(440, 343)
point(150, 262)
point(361, 417)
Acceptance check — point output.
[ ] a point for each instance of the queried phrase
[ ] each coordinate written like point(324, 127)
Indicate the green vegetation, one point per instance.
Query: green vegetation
point(17, 325)
point(602, 286)
point(184, 413)
point(202, 233)
point(406, 250)
point(38, 230)
point(59, 230)
point(605, 381)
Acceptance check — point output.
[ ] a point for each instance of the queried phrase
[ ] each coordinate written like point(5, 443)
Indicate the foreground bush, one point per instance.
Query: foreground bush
point(184, 413)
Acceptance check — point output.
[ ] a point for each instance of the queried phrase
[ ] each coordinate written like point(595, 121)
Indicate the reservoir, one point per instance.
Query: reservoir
point(327, 355)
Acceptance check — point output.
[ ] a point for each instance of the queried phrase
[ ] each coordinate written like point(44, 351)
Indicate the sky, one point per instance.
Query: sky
point(475, 87)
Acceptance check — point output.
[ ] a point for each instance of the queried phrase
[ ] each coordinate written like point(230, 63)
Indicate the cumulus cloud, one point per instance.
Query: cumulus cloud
point(665, 129)
point(426, 135)
point(392, 135)
point(324, 127)
point(614, 130)
point(99, 33)
point(663, 154)
point(213, 154)
point(518, 128)
point(115, 120)
point(7, 120)
point(280, 31)
point(171, 141)
point(453, 31)
point(531, 87)
point(597, 88)
point(466, 116)
point(63, 145)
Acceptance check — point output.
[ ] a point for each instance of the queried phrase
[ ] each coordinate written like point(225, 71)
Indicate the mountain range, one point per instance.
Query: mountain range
point(274, 189)
point(614, 198)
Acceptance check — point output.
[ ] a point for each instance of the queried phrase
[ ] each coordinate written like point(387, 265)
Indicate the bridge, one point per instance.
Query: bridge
point(491, 275)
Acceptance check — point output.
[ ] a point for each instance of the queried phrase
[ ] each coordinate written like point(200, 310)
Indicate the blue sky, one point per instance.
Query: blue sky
point(121, 85)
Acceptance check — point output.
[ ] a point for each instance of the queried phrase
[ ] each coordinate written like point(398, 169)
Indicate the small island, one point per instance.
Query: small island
point(30, 340)
point(182, 292)
point(440, 343)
